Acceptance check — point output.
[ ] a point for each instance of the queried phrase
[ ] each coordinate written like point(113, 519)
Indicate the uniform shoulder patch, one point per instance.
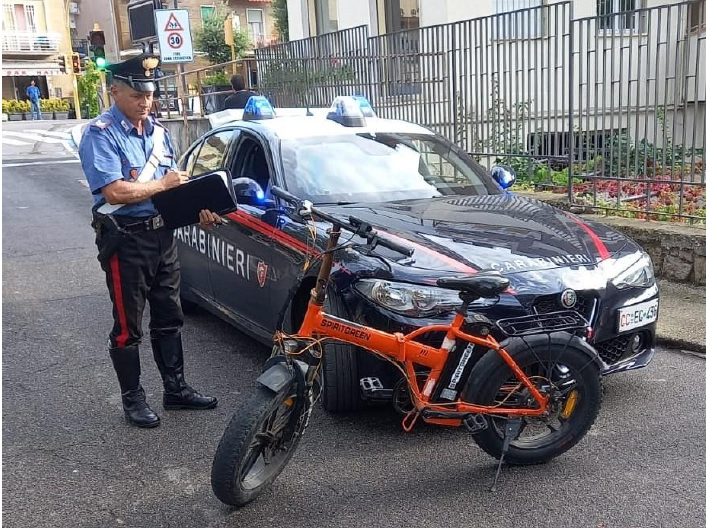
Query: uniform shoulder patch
point(101, 123)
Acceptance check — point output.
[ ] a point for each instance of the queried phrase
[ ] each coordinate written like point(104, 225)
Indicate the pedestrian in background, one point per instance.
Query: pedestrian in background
point(240, 96)
point(33, 93)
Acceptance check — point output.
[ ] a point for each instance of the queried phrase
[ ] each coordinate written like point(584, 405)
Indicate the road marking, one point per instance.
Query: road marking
point(8, 141)
point(63, 135)
point(26, 164)
point(33, 137)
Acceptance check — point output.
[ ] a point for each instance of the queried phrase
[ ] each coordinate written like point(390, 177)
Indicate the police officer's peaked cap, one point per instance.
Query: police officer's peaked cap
point(139, 72)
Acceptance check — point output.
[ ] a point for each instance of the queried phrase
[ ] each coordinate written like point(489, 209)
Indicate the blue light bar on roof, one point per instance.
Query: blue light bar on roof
point(258, 107)
point(364, 105)
point(346, 111)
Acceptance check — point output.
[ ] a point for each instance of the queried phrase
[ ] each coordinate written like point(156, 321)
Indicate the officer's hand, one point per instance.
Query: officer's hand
point(174, 179)
point(207, 219)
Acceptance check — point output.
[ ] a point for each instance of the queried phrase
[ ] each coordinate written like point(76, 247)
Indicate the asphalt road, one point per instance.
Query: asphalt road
point(69, 460)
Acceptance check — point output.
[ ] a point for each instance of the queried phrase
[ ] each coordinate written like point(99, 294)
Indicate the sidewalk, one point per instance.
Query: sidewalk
point(682, 320)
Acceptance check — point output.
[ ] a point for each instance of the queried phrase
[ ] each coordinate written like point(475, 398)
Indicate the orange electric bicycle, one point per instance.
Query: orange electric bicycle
point(524, 400)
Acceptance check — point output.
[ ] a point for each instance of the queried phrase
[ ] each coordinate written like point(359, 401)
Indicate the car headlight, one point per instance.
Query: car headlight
point(413, 299)
point(641, 274)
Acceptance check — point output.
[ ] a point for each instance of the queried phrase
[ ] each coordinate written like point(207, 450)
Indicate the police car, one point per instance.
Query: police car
point(414, 186)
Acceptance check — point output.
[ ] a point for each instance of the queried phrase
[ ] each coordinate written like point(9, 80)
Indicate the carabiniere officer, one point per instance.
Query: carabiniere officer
point(127, 158)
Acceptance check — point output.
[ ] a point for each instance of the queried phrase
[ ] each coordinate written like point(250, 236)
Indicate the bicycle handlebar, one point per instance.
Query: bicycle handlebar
point(355, 225)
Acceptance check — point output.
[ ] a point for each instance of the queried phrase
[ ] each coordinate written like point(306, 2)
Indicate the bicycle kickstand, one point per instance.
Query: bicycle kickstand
point(512, 428)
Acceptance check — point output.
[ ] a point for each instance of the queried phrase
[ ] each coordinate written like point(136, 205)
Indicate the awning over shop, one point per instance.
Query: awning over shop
point(29, 68)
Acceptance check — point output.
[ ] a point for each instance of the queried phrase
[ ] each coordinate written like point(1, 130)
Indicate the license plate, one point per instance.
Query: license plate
point(637, 315)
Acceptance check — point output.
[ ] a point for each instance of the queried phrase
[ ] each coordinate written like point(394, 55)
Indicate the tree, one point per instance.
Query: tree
point(280, 14)
point(209, 38)
point(87, 86)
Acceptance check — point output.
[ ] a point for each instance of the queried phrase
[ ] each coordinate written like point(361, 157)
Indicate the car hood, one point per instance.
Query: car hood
point(508, 233)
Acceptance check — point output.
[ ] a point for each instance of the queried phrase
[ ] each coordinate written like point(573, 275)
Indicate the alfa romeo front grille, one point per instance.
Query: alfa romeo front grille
point(551, 303)
point(613, 350)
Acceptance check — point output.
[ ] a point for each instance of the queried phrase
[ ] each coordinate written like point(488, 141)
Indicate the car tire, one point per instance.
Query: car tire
point(340, 369)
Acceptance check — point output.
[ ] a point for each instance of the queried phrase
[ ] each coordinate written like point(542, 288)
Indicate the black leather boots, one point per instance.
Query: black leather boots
point(136, 410)
point(169, 356)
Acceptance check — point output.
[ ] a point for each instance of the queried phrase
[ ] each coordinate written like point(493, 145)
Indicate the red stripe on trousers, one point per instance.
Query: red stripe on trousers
point(119, 301)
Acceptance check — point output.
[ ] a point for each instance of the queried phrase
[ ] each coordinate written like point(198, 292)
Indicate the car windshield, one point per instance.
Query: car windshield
point(380, 167)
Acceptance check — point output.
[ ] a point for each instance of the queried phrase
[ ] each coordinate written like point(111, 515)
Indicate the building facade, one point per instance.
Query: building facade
point(35, 33)
point(84, 14)
point(309, 18)
point(252, 16)
point(543, 70)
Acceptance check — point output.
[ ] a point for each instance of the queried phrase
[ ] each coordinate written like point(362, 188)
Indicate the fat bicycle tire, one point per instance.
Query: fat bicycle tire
point(236, 446)
point(490, 376)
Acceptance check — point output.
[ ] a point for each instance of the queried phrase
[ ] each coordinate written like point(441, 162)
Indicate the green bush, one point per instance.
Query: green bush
point(215, 79)
point(87, 85)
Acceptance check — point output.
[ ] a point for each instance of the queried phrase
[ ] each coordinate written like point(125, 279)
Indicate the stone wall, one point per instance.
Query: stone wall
point(181, 141)
point(679, 253)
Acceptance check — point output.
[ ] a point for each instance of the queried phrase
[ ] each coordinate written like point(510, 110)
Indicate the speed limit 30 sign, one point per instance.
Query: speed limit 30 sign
point(175, 38)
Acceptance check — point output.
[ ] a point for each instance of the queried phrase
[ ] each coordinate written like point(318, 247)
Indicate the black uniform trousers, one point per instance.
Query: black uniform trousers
point(144, 268)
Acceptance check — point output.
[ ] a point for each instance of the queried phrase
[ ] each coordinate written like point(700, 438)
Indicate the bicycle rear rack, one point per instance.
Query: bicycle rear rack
point(561, 321)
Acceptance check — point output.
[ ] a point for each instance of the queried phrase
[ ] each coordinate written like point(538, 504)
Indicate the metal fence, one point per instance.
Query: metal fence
point(609, 109)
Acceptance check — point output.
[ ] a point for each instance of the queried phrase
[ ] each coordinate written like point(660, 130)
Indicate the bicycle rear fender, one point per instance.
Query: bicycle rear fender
point(557, 340)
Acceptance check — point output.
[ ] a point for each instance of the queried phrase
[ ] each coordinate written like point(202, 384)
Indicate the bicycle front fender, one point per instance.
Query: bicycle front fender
point(277, 377)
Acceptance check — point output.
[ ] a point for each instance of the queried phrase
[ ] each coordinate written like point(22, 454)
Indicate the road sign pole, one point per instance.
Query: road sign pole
point(103, 85)
point(75, 92)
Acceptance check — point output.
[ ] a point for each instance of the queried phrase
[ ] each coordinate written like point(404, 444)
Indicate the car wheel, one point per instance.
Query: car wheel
point(340, 369)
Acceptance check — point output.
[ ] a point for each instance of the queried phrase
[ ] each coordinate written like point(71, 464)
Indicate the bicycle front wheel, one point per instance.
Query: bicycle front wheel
point(257, 444)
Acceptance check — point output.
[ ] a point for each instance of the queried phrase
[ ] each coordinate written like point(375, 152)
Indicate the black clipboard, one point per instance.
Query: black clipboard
point(180, 206)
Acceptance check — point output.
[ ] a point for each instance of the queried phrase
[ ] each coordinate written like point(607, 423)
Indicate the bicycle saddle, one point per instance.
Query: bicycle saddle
point(484, 284)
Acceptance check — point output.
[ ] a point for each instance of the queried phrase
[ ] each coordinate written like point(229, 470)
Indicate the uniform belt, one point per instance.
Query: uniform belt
point(135, 225)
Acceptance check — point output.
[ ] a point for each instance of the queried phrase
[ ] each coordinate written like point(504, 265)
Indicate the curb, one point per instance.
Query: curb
point(76, 133)
point(681, 344)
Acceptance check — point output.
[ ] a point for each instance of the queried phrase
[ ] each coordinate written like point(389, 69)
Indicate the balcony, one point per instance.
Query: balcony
point(26, 43)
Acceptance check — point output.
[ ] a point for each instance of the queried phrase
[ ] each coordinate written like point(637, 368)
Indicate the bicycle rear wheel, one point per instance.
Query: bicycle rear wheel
point(570, 378)
point(257, 444)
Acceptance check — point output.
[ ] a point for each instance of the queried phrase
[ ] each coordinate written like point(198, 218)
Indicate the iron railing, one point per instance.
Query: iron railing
point(30, 42)
point(609, 109)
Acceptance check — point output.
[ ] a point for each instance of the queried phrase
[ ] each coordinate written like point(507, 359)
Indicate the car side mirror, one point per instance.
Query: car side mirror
point(503, 175)
point(248, 191)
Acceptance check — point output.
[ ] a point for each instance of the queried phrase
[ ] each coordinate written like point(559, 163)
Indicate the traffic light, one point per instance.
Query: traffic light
point(76, 63)
point(97, 46)
point(62, 63)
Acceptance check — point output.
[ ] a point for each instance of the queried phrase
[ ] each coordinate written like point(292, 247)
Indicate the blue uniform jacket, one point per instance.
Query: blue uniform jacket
point(111, 149)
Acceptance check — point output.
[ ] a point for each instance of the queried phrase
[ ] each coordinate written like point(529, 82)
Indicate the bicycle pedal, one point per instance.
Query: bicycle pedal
point(474, 423)
point(372, 388)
